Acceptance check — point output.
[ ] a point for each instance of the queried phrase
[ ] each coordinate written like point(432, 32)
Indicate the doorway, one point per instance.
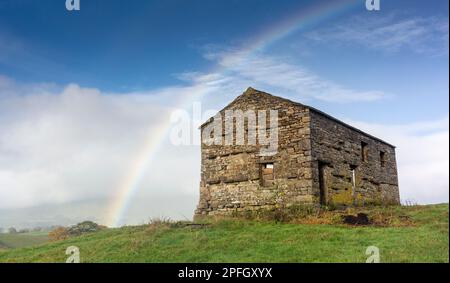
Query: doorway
point(353, 172)
point(322, 185)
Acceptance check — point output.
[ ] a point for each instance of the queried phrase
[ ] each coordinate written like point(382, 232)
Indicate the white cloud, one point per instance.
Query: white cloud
point(422, 157)
point(276, 75)
point(389, 33)
point(71, 145)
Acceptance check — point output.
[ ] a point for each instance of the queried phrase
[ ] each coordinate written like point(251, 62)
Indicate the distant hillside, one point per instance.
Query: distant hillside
point(20, 240)
point(174, 206)
point(422, 237)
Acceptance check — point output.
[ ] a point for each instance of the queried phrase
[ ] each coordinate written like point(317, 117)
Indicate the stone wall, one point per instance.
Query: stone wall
point(339, 149)
point(231, 175)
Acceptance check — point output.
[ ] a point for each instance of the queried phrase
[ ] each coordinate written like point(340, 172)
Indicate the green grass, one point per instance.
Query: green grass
point(425, 240)
point(20, 240)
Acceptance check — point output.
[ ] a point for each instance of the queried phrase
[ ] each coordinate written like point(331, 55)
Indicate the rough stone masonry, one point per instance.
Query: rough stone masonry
point(320, 160)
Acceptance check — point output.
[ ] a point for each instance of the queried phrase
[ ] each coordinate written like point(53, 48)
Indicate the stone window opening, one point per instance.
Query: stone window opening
point(267, 174)
point(382, 158)
point(364, 151)
point(268, 166)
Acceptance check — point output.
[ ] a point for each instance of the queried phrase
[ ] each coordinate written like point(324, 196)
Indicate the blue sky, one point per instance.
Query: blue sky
point(385, 71)
point(119, 46)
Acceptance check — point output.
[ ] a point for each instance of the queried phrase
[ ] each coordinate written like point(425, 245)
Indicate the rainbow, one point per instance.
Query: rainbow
point(292, 23)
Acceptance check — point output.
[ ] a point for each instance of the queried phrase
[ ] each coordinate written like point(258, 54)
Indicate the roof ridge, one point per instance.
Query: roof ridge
point(252, 91)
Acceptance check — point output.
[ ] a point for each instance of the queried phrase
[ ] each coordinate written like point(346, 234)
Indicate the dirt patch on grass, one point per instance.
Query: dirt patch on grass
point(359, 219)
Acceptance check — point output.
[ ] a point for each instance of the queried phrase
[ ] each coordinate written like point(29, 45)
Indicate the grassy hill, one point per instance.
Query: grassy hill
point(20, 240)
point(420, 235)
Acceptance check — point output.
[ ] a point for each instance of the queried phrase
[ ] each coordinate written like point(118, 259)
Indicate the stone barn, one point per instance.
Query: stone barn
point(314, 158)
